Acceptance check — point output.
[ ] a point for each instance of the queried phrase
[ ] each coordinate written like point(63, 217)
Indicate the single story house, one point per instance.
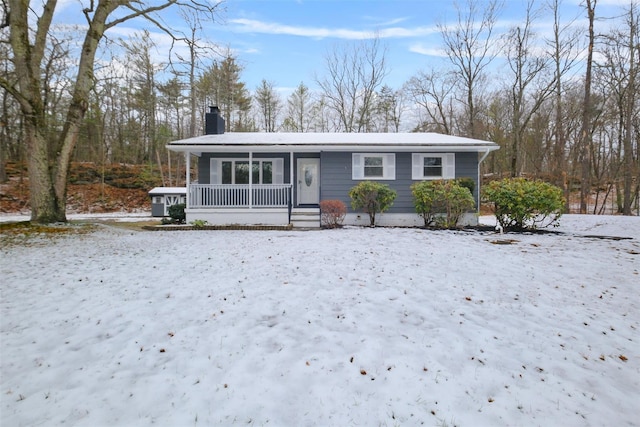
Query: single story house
point(257, 178)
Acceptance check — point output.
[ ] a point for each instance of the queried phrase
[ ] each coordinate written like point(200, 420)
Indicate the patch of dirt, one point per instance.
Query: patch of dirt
point(28, 234)
point(91, 189)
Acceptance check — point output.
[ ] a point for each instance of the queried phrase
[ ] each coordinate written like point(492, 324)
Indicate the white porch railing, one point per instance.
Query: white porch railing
point(239, 196)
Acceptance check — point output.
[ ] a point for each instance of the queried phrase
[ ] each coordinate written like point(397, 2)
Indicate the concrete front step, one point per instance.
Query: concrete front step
point(305, 218)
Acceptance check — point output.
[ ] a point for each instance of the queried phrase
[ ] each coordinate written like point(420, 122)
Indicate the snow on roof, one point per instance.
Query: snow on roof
point(168, 190)
point(330, 141)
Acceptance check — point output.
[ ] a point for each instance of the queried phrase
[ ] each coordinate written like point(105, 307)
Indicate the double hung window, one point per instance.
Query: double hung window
point(426, 166)
point(374, 166)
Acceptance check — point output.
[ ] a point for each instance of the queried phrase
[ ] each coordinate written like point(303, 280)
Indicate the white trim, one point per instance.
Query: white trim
point(291, 177)
point(388, 166)
point(251, 178)
point(314, 142)
point(197, 150)
point(448, 166)
point(187, 179)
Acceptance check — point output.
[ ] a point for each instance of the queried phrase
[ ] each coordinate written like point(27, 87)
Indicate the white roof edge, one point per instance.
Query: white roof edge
point(247, 141)
point(198, 149)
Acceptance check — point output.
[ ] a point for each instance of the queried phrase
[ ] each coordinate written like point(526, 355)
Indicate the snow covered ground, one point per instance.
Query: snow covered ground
point(350, 327)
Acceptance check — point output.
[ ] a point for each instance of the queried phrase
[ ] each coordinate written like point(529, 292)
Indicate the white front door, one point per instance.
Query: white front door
point(308, 181)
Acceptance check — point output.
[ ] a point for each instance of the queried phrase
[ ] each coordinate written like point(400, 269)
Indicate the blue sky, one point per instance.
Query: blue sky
point(285, 41)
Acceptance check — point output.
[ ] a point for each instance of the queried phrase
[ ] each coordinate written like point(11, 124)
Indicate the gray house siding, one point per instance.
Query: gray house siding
point(335, 175)
point(467, 167)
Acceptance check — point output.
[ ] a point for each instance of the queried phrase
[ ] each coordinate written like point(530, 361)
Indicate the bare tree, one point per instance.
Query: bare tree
point(433, 91)
point(354, 73)
point(618, 74)
point(198, 48)
point(631, 168)
point(471, 48)
point(530, 86)
point(587, 114)
point(563, 49)
point(142, 71)
point(30, 32)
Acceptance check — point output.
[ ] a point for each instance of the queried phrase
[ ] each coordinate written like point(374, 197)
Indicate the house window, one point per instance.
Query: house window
point(236, 171)
point(373, 166)
point(266, 172)
point(432, 166)
point(427, 166)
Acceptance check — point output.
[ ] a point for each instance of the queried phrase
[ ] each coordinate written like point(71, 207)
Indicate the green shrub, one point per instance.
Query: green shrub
point(441, 202)
point(372, 197)
point(467, 183)
point(521, 204)
point(176, 212)
point(199, 223)
point(332, 213)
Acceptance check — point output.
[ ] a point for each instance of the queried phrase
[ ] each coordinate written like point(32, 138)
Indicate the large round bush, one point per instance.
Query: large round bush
point(521, 204)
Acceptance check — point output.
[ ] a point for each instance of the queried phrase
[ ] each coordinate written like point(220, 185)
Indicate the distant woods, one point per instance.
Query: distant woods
point(562, 103)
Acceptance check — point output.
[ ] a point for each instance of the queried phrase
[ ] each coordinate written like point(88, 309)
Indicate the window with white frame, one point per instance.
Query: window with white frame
point(373, 166)
point(426, 166)
point(236, 171)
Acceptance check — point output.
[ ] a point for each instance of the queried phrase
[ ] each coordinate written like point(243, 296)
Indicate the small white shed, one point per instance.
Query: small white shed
point(163, 197)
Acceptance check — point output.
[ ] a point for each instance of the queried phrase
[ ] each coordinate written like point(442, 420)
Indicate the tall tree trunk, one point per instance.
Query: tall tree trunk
point(630, 103)
point(45, 206)
point(585, 136)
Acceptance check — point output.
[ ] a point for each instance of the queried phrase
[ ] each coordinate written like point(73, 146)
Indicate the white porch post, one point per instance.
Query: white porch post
point(250, 179)
point(291, 174)
point(187, 179)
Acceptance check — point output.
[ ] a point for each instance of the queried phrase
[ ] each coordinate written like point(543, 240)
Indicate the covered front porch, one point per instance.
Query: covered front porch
point(241, 204)
point(254, 188)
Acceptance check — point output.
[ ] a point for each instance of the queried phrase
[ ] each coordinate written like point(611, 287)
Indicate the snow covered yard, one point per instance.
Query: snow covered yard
point(359, 326)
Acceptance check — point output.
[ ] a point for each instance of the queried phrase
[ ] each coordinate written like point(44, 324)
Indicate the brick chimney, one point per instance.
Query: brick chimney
point(213, 122)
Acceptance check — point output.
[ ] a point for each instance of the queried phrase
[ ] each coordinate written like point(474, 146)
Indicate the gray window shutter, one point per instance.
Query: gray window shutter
point(416, 166)
point(357, 166)
point(214, 175)
point(449, 166)
point(389, 166)
point(278, 171)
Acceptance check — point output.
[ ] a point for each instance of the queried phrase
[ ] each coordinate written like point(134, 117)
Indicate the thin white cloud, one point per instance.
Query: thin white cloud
point(380, 23)
point(255, 26)
point(427, 50)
